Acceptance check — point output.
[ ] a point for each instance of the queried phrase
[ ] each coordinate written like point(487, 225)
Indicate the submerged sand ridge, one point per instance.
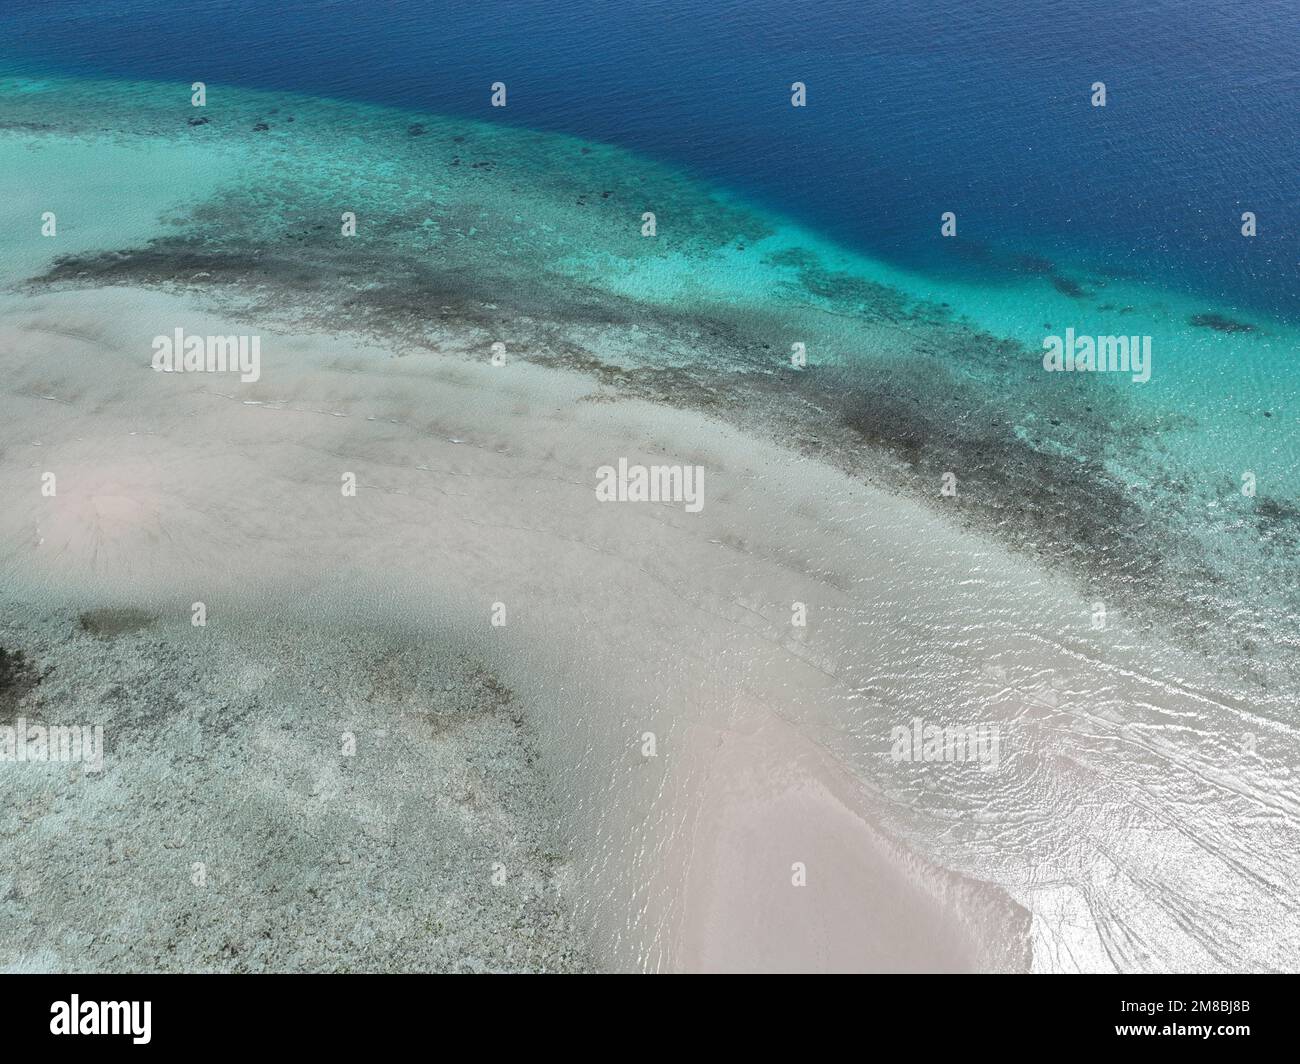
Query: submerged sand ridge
point(476, 488)
point(770, 827)
point(498, 517)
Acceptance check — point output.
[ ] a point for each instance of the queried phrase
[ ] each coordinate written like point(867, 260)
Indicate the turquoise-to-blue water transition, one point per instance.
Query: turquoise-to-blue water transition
point(347, 187)
point(819, 223)
point(915, 108)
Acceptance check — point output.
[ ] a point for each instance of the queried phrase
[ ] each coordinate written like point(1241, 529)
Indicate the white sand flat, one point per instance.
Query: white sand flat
point(476, 487)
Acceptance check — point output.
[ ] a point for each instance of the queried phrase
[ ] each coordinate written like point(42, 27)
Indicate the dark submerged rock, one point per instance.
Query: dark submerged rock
point(1219, 323)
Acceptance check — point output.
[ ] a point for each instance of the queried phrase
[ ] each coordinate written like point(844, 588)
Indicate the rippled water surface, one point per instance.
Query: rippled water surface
point(1145, 810)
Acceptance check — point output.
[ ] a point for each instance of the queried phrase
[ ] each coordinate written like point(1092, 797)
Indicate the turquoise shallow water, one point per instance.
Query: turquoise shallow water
point(981, 107)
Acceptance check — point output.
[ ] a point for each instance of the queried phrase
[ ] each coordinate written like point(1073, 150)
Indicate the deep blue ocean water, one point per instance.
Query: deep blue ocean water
point(975, 106)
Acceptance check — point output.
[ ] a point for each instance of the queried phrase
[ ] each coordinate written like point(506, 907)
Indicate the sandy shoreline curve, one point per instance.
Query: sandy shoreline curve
point(475, 488)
